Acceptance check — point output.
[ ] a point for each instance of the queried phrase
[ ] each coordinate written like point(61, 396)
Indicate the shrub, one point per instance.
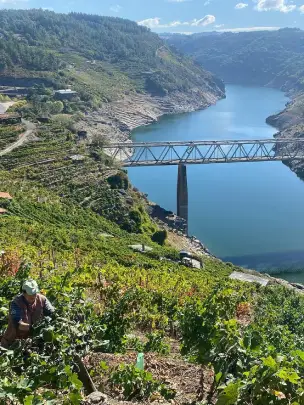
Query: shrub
point(160, 237)
point(119, 181)
point(156, 343)
point(138, 384)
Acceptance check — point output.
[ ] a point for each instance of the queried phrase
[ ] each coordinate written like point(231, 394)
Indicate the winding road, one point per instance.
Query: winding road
point(30, 128)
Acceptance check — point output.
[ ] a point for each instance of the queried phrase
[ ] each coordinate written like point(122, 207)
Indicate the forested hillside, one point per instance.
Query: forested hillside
point(273, 58)
point(62, 47)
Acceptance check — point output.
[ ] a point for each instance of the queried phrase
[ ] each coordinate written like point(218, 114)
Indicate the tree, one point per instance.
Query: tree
point(54, 107)
point(57, 107)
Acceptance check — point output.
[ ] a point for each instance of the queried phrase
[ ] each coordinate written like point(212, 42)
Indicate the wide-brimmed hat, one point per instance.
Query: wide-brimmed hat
point(30, 287)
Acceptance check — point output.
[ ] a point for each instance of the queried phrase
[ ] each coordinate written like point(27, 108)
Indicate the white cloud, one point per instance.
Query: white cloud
point(219, 26)
point(173, 24)
point(301, 9)
point(207, 2)
point(207, 20)
point(150, 22)
point(249, 29)
point(275, 5)
point(155, 22)
point(116, 9)
point(239, 6)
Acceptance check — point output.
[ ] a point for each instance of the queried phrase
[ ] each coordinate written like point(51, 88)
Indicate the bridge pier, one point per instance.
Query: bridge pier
point(182, 193)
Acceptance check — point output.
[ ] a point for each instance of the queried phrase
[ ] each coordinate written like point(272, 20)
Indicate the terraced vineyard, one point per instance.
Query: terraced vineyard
point(112, 299)
point(73, 223)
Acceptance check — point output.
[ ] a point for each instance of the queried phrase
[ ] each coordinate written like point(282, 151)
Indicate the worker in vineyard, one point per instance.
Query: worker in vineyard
point(25, 310)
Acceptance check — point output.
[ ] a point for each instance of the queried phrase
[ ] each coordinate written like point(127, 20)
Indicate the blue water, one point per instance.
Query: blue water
point(250, 213)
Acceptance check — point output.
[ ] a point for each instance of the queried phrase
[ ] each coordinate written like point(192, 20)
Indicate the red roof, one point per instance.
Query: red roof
point(2, 211)
point(6, 195)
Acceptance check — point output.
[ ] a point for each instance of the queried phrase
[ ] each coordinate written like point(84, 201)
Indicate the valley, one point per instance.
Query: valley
point(135, 321)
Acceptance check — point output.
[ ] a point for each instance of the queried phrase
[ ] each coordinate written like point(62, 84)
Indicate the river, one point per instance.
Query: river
point(251, 214)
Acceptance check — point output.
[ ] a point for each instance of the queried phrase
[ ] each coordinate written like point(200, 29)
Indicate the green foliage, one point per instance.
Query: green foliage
point(9, 134)
point(14, 51)
point(4, 98)
point(258, 58)
point(55, 107)
point(138, 384)
point(55, 344)
point(259, 361)
point(160, 237)
point(156, 343)
point(251, 336)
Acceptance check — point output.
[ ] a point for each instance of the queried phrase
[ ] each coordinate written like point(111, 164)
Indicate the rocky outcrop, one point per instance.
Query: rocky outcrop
point(176, 228)
point(292, 115)
point(290, 122)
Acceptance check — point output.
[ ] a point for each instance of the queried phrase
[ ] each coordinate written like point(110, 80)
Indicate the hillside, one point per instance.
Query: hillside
point(270, 58)
point(73, 221)
point(274, 59)
point(123, 75)
point(118, 55)
point(112, 302)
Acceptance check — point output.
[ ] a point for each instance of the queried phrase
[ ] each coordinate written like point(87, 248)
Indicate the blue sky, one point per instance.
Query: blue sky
point(184, 15)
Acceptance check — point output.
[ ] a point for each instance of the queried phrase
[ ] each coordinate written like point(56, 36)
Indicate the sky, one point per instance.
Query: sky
point(185, 16)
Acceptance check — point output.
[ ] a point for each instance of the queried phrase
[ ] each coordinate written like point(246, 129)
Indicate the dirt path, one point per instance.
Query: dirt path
point(5, 105)
point(30, 128)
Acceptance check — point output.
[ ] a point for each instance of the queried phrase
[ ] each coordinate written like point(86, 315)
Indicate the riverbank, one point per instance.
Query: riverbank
point(235, 210)
point(115, 121)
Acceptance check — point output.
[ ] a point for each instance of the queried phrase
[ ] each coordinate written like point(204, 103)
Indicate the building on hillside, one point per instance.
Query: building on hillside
point(10, 119)
point(14, 91)
point(5, 196)
point(67, 94)
point(3, 211)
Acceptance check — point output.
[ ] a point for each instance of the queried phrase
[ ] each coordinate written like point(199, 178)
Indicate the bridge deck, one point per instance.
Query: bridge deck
point(206, 152)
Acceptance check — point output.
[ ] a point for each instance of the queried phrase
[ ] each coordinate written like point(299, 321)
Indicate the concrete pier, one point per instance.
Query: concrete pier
point(182, 193)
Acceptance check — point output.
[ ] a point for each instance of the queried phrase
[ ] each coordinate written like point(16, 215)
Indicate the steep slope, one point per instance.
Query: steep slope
point(124, 76)
point(113, 302)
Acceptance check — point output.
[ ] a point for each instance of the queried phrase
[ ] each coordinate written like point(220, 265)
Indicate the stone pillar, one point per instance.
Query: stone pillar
point(182, 194)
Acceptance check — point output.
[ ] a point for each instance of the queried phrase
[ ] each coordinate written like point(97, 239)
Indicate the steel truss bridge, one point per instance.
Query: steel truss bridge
point(206, 152)
point(203, 152)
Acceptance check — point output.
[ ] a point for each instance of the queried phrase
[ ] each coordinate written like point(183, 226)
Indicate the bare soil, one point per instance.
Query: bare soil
point(173, 370)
